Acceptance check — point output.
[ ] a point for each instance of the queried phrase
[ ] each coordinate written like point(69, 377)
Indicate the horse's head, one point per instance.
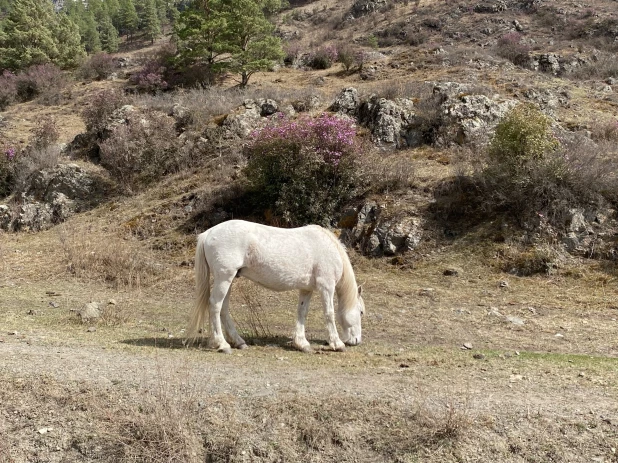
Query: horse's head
point(351, 321)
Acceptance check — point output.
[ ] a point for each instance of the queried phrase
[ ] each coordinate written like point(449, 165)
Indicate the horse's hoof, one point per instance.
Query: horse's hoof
point(340, 349)
point(243, 346)
point(307, 350)
point(225, 350)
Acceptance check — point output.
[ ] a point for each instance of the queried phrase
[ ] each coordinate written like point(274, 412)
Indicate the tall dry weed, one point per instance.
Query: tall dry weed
point(122, 263)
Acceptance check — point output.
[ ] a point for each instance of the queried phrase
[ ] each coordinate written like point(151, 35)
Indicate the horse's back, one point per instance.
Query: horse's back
point(277, 258)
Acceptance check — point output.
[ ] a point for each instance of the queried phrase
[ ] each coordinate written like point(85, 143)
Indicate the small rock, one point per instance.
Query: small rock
point(31, 312)
point(112, 302)
point(514, 320)
point(467, 345)
point(13, 333)
point(503, 284)
point(426, 292)
point(44, 430)
point(478, 356)
point(404, 365)
point(581, 374)
point(516, 378)
point(451, 272)
point(91, 329)
point(559, 335)
point(53, 304)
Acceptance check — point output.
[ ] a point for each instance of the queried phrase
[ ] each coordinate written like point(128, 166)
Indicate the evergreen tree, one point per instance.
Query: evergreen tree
point(108, 35)
point(87, 25)
point(128, 17)
point(25, 38)
point(71, 52)
point(230, 35)
point(151, 23)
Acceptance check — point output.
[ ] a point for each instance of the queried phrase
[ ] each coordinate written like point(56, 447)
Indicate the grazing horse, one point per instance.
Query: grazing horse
point(305, 259)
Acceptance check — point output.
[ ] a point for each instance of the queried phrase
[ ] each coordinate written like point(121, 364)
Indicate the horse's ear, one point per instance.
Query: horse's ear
point(360, 290)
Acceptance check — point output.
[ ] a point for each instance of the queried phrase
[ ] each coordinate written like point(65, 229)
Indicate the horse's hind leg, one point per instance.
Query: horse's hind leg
point(299, 340)
point(220, 290)
point(228, 324)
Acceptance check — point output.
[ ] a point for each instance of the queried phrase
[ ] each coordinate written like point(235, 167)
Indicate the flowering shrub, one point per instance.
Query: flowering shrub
point(40, 80)
point(99, 66)
point(304, 170)
point(510, 47)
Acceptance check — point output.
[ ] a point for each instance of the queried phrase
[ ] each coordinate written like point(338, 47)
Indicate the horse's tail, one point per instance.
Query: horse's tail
point(202, 289)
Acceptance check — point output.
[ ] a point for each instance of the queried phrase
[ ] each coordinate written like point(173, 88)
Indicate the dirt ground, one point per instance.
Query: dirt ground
point(481, 366)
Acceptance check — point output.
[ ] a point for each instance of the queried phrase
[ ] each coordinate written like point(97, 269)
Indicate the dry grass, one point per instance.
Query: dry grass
point(117, 261)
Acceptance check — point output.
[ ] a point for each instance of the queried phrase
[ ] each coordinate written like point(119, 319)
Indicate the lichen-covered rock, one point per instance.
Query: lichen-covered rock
point(490, 7)
point(374, 235)
point(249, 117)
point(347, 102)
point(365, 7)
point(472, 117)
point(69, 179)
point(387, 120)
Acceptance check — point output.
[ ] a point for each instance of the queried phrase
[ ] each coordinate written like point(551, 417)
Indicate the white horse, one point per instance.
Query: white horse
point(306, 259)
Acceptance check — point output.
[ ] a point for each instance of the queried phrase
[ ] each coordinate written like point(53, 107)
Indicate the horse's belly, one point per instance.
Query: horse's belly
point(277, 282)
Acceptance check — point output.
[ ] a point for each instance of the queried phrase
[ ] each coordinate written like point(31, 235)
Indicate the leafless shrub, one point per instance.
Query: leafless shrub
point(388, 172)
point(143, 150)
point(605, 66)
point(101, 108)
point(121, 263)
point(99, 66)
point(250, 315)
point(114, 315)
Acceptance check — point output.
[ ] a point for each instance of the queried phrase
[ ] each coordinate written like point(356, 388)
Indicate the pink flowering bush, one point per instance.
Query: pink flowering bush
point(150, 78)
point(305, 169)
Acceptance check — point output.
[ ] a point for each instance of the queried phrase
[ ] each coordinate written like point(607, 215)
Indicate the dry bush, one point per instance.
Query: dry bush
point(99, 66)
point(250, 314)
point(143, 150)
point(102, 106)
point(539, 259)
point(603, 67)
point(509, 46)
point(122, 263)
point(388, 172)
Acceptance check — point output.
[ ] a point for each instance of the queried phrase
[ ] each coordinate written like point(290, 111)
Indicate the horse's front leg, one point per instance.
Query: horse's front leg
point(329, 314)
point(299, 340)
point(220, 290)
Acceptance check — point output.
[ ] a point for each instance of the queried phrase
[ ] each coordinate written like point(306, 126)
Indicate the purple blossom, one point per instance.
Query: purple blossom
point(10, 153)
point(328, 136)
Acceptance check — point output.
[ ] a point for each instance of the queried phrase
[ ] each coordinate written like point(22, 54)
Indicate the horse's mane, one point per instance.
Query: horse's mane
point(347, 291)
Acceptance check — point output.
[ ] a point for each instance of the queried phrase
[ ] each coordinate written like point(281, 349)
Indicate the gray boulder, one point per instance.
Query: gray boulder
point(387, 120)
point(374, 235)
point(473, 117)
point(249, 117)
point(347, 102)
point(365, 7)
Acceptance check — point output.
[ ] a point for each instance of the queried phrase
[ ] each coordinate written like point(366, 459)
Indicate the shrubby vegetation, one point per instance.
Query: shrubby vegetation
point(304, 170)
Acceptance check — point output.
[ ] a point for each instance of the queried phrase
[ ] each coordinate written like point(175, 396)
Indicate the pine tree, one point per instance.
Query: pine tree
point(150, 22)
point(128, 17)
point(34, 34)
point(108, 35)
point(85, 21)
point(71, 52)
point(230, 35)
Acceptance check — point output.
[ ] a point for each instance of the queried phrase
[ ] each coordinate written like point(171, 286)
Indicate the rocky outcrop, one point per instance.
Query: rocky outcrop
point(490, 7)
point(387, 120)
point(474, 116)
point(50, 197)
point(249, 117)
point(347, 102)
point(364, 7)
point(366, 229)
